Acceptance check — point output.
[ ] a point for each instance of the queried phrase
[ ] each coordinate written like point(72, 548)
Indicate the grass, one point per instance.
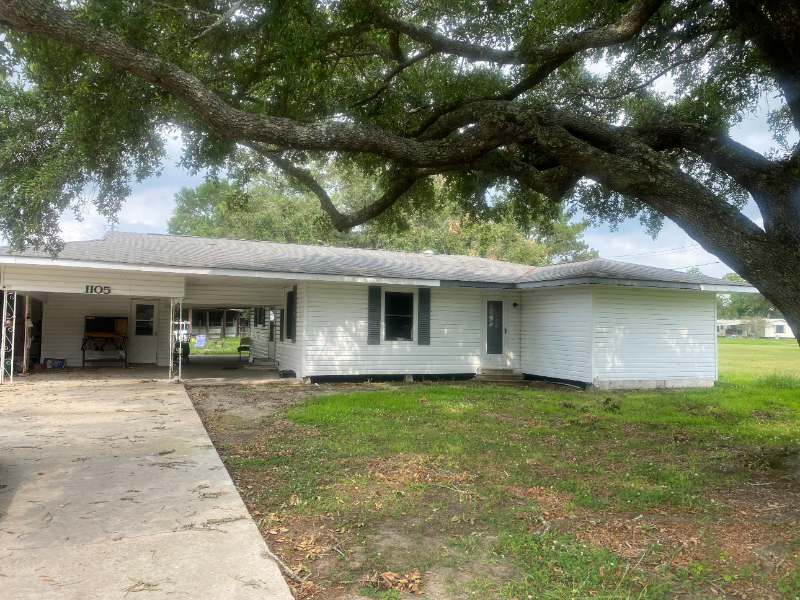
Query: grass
point(743, 359)
point(533, 492)
point(226, 345)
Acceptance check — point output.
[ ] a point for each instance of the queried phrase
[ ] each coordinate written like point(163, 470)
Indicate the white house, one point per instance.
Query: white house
point(765, 328)
point(322, 311)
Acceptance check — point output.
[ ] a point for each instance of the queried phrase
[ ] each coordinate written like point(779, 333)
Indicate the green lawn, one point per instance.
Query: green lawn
point(216, 346)
point(741, 358)
point(476, 491)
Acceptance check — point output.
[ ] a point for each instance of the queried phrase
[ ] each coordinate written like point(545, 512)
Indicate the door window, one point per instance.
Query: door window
point(144, 319)
point(494, 327)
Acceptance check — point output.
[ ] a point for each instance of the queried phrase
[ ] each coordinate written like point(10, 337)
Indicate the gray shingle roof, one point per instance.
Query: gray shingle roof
point(183, 251)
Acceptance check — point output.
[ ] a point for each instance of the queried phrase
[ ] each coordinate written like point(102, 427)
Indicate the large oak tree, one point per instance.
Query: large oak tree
point(547, 98)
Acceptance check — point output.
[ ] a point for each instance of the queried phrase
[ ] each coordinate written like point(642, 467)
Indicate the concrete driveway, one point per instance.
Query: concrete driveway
point(110, 487)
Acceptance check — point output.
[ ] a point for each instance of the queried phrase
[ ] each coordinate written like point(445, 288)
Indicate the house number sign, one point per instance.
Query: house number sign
point(98, 289)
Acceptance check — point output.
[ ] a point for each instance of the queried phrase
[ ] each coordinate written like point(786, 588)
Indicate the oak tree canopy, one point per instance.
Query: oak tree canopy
point(545, 99)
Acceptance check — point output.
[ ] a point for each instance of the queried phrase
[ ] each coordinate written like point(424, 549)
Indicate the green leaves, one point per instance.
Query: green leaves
point(340, 62)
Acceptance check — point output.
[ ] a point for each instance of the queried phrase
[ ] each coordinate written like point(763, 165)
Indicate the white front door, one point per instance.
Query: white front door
point(143, 331)
point(494, 333)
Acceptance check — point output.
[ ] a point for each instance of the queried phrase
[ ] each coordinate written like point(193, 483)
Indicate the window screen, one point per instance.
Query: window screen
point(779, 329)
point(399, 310)
point(145, 321)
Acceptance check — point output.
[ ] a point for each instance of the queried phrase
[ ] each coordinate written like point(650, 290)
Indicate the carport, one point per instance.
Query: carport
point(130, 315)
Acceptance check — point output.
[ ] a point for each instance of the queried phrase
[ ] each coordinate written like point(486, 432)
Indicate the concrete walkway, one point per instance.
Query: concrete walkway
point(110, 487)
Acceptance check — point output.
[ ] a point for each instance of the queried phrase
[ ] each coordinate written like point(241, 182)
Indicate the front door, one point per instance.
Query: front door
point(493, 354)
point(144, 331)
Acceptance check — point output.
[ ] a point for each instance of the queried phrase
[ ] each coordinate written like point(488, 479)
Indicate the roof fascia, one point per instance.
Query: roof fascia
point(703, 287)
point(108, 266)
point(475, 284)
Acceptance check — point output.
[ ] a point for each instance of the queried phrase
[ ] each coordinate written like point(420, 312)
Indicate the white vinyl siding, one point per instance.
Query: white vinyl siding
point(336, 338)
point(557, 333)
point(514, 334)
point(63, 324)
point(654, 334)
point(290, 355)
point(74, 281)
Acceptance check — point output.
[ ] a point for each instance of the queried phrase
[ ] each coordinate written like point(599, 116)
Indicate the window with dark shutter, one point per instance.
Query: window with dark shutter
point(399, 319)
point(424, 318)
point(374, 315)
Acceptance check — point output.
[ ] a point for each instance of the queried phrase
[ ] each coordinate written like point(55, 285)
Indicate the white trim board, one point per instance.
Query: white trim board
point(284, 275)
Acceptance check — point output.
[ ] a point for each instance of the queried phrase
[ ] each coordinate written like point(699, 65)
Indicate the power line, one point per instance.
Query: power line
point(656, 252)
point(716, 262)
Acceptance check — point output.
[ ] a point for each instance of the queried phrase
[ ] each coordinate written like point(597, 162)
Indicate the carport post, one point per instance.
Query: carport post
point(171, 353)
point(180, 326)
point(173, 338)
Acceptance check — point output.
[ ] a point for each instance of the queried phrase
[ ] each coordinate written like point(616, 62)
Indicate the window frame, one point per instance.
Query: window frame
point(779, 328)
point(414, 314)
point(151, 320)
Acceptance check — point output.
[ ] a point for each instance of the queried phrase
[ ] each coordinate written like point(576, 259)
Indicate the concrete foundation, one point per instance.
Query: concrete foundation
point(651, 384)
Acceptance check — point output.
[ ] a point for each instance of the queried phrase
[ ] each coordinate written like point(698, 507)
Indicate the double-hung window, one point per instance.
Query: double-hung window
point(399, 316)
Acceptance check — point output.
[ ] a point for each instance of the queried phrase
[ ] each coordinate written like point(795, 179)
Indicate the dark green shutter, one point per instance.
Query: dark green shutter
point(374, 315)
point(294, 314)
point(424, 310)
point(282, 311)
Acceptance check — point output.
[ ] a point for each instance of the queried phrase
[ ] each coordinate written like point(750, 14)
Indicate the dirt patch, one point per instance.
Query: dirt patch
point(249, 402)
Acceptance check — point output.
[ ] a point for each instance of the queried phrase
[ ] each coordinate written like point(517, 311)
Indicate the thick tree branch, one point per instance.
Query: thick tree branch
point(600, 37)
point(776, 34)
point(633, 168)
point(399, 184)
point(42, 18)
point(553, 183)
point(772, 184)
point(545, 59)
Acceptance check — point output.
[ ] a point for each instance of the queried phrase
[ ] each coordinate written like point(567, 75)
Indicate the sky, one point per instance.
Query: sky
point(150, 204)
